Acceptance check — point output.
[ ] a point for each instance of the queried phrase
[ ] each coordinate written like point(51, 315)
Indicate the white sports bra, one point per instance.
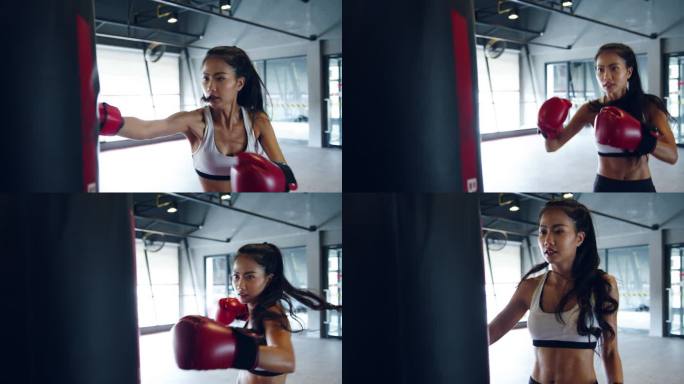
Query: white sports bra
point(208, 161)
point(547, 331)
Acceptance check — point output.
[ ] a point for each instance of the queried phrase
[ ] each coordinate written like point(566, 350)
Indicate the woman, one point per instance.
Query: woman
point(263, 348)
point(234, 120)
point(620, 169)
point(573, 305)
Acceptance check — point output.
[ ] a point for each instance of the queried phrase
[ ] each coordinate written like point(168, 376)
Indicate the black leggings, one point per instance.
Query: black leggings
point(605, 184)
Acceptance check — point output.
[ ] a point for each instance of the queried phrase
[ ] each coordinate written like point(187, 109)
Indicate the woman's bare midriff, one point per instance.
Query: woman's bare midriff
point(245, 377)
point(564, 365)
point(624, 168)
point(209, 185)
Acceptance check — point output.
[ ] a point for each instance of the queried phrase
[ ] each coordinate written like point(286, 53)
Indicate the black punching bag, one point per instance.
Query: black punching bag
point(415, 304)
point(410, 97)
point(69, 278)
point(50, 135)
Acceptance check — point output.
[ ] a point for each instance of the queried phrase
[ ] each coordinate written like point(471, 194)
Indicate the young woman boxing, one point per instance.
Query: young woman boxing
point(573, 304)
point(630, 125)
point(263, 348)
point(231, 131)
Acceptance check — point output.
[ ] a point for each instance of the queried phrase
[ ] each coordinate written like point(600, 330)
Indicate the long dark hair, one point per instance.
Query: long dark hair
point(591, 287)
point(250, 95)
point(635, 100)
point(278, 290)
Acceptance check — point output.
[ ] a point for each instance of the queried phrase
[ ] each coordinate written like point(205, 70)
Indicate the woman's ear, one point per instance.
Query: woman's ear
point(580, 238)
point(240, 83)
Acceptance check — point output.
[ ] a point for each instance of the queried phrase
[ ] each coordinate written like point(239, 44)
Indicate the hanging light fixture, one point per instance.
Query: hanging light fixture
point(170, 15)
point(225, 5)
point(173, 18)
point(513, 14)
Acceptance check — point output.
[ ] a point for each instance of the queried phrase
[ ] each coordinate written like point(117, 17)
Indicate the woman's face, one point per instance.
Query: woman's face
point(219, 82)
point(249, 279)
point(558, 238)
point(613, 74)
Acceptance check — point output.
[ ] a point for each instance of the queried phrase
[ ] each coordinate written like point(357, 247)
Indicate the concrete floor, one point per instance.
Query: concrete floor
point(645, 359)
point(521, 164)
point(168, 167)
point(318, 361)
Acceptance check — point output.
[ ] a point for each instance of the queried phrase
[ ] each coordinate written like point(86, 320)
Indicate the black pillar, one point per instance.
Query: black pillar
point(415, 292)
point(410, 97)
point(50, 89)
point(69, 274)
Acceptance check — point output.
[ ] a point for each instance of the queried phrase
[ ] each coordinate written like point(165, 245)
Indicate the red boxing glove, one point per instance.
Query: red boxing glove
point(110, 119)
point(255, 173)
point(230, 309)
point(617, 128)
point(551, 116)
point(201, 343)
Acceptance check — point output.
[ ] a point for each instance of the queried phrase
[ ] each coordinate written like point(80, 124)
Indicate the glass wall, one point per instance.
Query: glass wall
point(503, 270)
point(675, 94)
point(287, 102)
point(333, 290)
point(124, 83)
point(216, 282)
point(556, 80)
point(333, 134)
point(675, 292)
point(158, 284)
point(630, 266)
point(499, 106)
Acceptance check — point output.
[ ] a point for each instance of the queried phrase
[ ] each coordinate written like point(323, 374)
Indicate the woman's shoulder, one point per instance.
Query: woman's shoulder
point(593, 106)
point(276, 308)
point(259, 117)
point(533, 280)
point(260, 122)
point(194, 114)
point(277, 318)
point(653, 105)
point(610, 279)
point(531, 283)
point(190, 120)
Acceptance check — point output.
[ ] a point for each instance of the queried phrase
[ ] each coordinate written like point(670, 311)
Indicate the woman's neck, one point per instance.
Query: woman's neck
point(612, 96)
point(562, 271)
point(226, 116)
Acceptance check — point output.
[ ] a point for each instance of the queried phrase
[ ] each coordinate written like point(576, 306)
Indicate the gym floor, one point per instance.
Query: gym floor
point(318, 361)
point(522, 164)
point(511, 358)
point(168, 167)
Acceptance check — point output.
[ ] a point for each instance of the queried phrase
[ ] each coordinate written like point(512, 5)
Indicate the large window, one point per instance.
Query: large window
point(124, 83)
point(217, 282)
point(158, 283)
point(333, 134)
point(499, 105)
point(333, 291)
point(287, 103)
point(675, 292)
point(630, 266)
point(675, 94)
point(503, 270)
